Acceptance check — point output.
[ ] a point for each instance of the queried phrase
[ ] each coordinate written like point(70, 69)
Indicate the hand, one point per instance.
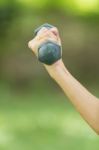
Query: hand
point(42, 36)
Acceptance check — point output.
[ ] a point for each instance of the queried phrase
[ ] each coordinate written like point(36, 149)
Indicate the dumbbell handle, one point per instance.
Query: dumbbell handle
point(48, 52)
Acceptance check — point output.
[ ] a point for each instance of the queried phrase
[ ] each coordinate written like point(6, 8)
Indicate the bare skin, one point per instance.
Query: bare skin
point(85, 103)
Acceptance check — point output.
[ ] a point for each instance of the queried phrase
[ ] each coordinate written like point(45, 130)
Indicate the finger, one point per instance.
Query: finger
point(33, 45)
point(42, 30)
point(53, 36)
point(43, 36)
point(56, 33)
point(47, 34)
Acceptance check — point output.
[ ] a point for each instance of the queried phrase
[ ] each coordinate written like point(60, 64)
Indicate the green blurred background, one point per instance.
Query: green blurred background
point(34, 112)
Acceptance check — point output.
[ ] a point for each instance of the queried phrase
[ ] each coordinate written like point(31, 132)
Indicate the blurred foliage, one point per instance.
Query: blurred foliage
point(7, 13)
point(42, 121)
point(78, 23)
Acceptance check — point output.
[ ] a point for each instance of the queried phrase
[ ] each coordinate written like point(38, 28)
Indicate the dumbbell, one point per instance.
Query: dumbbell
point(48, 52)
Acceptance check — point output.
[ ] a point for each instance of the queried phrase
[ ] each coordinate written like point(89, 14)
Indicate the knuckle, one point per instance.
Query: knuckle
point(29, 44)
point(55, 29)
point(47, 31)
point(47, 34)
point(42, 30)
point(45, 39)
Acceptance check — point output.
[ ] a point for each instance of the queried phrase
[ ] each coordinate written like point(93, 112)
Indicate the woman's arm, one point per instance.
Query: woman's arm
point(86, 104)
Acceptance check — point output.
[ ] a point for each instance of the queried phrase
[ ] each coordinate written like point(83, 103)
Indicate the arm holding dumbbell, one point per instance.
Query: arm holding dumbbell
point(86, 104)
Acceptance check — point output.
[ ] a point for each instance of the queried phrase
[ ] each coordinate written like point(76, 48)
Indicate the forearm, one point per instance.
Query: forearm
point(82, 99)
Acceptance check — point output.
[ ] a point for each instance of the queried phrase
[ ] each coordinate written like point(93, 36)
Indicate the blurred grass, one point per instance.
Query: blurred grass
point(41, 121)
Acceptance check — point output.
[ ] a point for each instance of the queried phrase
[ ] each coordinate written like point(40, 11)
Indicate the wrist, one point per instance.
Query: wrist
point(56, 69)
